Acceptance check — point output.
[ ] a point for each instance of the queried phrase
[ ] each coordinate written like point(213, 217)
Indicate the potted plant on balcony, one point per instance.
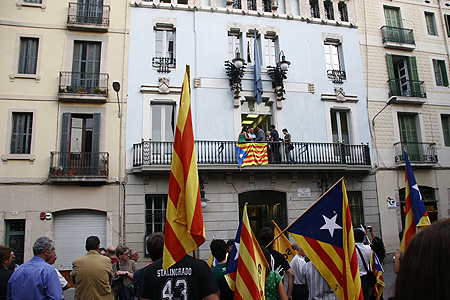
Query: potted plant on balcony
point(103, 91)
point(82, 90)
point(69, 89)
point(97, 90)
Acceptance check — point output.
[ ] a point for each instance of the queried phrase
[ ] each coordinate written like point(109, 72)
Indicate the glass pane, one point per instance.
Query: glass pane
point(159, 43)
point(156, 122)
point(168, 117)
point(334, 127)
point(344, 127)
point(446, 129)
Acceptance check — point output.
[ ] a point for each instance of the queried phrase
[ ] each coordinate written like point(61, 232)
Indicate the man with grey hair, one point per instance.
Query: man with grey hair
point(36, 279)
point(134, 255)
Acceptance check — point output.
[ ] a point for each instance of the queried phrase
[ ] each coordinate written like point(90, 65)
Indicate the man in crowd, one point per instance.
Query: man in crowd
point(300, 290)
point(278, 263)
point(276, 145)
point(64, 284)
point(219, 251)
point(318, 288)
point(363, 252)
point(189, 277)
point(134, 255)
point(36, 279)
point(261, 137)
point(92, 273)
point(111, 252)
point(7, 268)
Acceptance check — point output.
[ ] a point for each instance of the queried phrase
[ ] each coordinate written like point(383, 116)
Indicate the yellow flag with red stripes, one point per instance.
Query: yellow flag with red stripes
point(282, 244)
point(184, 230)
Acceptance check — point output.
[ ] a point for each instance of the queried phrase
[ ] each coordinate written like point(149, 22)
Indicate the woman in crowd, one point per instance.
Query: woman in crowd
point(243, 136)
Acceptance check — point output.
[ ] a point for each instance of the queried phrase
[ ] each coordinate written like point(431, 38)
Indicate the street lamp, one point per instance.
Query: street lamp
point(278, 74)
point(391, 100)
point(235, 71)
point(116, 88)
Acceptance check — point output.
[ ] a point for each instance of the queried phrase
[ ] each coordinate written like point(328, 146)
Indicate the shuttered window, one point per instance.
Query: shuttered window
point(440, 72)
point(431, 25)
point(21, 133)
point(28, 55)
point(446, 129)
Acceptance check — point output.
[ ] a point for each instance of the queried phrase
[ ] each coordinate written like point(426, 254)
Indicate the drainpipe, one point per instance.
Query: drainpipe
point(444, 30)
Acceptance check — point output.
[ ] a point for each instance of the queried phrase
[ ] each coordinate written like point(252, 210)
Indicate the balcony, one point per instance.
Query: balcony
point(164, 64)
point(398, 38)
point(337, 76)
point(79, 167)
point(83, 87)
point(88, 17)
point(151, 156)
point(419, 153)
point(407, 88)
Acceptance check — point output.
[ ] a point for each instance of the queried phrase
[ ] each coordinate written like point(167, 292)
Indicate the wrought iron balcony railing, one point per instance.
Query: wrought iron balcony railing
point(406, 88)
point(418, 152)
point(224, 152)
point(164, 64)
point(83, 83)
point(86, 164)
point(337, 76)
point(397, 35)
point(88, 14)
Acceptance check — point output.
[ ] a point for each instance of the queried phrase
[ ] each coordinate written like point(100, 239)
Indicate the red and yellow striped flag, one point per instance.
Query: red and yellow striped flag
point(282, 244)
point(251, 268)
point(184, 231)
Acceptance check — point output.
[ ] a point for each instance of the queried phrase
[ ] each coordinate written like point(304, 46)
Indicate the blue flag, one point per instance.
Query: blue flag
point(231, 272)
point(241, 155)
point(257, 74)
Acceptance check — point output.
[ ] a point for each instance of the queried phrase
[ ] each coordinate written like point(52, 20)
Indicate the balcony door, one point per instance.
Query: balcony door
point(340, 126)
point(86, 66)
point(392, 16)
point(90, 11)
point(409, 136)
point(403, 76)
point(80, 143)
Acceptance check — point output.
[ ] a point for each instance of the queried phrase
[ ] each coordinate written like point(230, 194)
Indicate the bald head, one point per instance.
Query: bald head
point(111, 251)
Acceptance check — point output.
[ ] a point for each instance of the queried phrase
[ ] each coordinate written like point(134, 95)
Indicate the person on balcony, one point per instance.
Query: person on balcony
point(243, 137)
point(261, 136)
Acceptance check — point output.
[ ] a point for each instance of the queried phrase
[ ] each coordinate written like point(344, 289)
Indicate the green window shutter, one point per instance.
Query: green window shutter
point(65, 139)
point(96, 133)
point(391, 73)
point(414, 76)
point(437, 73)
point(444, 73)
point(392, 16)
point(446, 129)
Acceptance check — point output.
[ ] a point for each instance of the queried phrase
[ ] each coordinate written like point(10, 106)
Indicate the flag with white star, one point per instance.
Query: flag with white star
point(233, 261)
point(325, 233)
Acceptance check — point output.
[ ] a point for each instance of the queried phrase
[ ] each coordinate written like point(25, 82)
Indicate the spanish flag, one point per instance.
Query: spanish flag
point(416, 213)
point(325, 233)
point(184, 230)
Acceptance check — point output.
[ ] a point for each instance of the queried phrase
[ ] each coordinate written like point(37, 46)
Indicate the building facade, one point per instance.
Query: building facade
point(405, 53)
point(60, 174)
point(320, 99)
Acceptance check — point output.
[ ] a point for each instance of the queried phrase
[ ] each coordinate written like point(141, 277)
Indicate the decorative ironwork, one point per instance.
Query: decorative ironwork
point(251, 4)
point(337, 76)
point(267, 5)
point(84, 13)
point(237, 4)
point(235, 72)
point(83, 83)
point(407, 88)
point(164, 64)
point(397, 35)
point(90, 164)
point(278, 74)
point(224, 152)
point(418, 152)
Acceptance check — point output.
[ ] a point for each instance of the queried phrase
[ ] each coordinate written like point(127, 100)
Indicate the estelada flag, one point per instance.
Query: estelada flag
point(282, 244)
point(256, 154)
point(416, 215)
point(230, 275)
point(325, 233)
point(377, 270)
point(251, 269)
point(184, 230)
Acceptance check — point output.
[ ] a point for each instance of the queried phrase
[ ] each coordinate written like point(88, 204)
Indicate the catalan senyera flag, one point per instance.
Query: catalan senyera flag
point(282, 244)
point(184, 230)
point(251, 268)
point(416, 215)
point(376, 268)
point(325, 233)
point(256, 154)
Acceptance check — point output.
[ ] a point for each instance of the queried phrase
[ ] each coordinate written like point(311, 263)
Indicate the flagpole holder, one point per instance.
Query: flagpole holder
point(278, 74)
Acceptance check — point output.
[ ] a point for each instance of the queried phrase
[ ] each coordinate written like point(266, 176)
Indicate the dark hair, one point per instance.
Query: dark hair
point(378, 247)
point(266, 255)
point(272, 126)
point(218, 249)
point(266, 236)
point(5, 253)
point(359, 235)
point(230, 243)
point(259, 126)
point(121, 250)
point(244, 129)
point(424, 267)
point(102, 249)
point(92, 243)
point(284, 129)
point(155, 245)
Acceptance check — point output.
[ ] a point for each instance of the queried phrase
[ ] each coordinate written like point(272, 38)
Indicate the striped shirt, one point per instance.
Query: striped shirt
point(318, 287)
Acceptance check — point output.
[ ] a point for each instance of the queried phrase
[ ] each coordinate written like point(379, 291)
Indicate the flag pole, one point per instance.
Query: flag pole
point(342, 178)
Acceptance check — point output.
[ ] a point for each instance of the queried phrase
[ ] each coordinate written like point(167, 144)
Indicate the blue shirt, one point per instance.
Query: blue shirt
point(34, 280)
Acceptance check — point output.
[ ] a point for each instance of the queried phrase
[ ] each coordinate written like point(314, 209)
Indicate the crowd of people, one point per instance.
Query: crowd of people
point(273, 139)
point(112, 273)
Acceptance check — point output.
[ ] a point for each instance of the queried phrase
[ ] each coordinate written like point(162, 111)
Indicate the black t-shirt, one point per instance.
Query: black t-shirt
point(4, 277)
point(190, 278)
point(281, 265)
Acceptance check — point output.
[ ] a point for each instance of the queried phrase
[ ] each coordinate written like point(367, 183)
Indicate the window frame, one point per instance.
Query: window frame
point(440, 72)
point(151, 198)
point(328, 8)
point(357, 206)
point(340, 137)
point(13, 156)
point(447, 23)
point(430, 23)
point(343, 11)
point(21, 132)
point(271, 49)
point(15, 71)
point(445, 119)
point(165, 28)
point(235, 40)
point(42, 5)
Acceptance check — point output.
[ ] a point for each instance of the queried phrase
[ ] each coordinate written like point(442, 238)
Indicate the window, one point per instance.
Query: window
point(28, 55)
point(445, 119)
point(164, 48)
point(21, 133)
point(334, 63)
point(267, 5)
point(251, 47)
point(355, 204)
point(86, 65)
point(234, 43)
point(155, 213)
point(270, 49)
point(392, 15)
point(409, 135)
point(343, 13)
point(447, 24)
point(15, 238)
point(237, 4)
point(33, 1)
point(340, 126)
point(431, 24)
point(314, 7)
point(403, 76)
point(90, 11)
point(329, 11)
point(440, 72)
point(163, 116)
point(251, 4)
